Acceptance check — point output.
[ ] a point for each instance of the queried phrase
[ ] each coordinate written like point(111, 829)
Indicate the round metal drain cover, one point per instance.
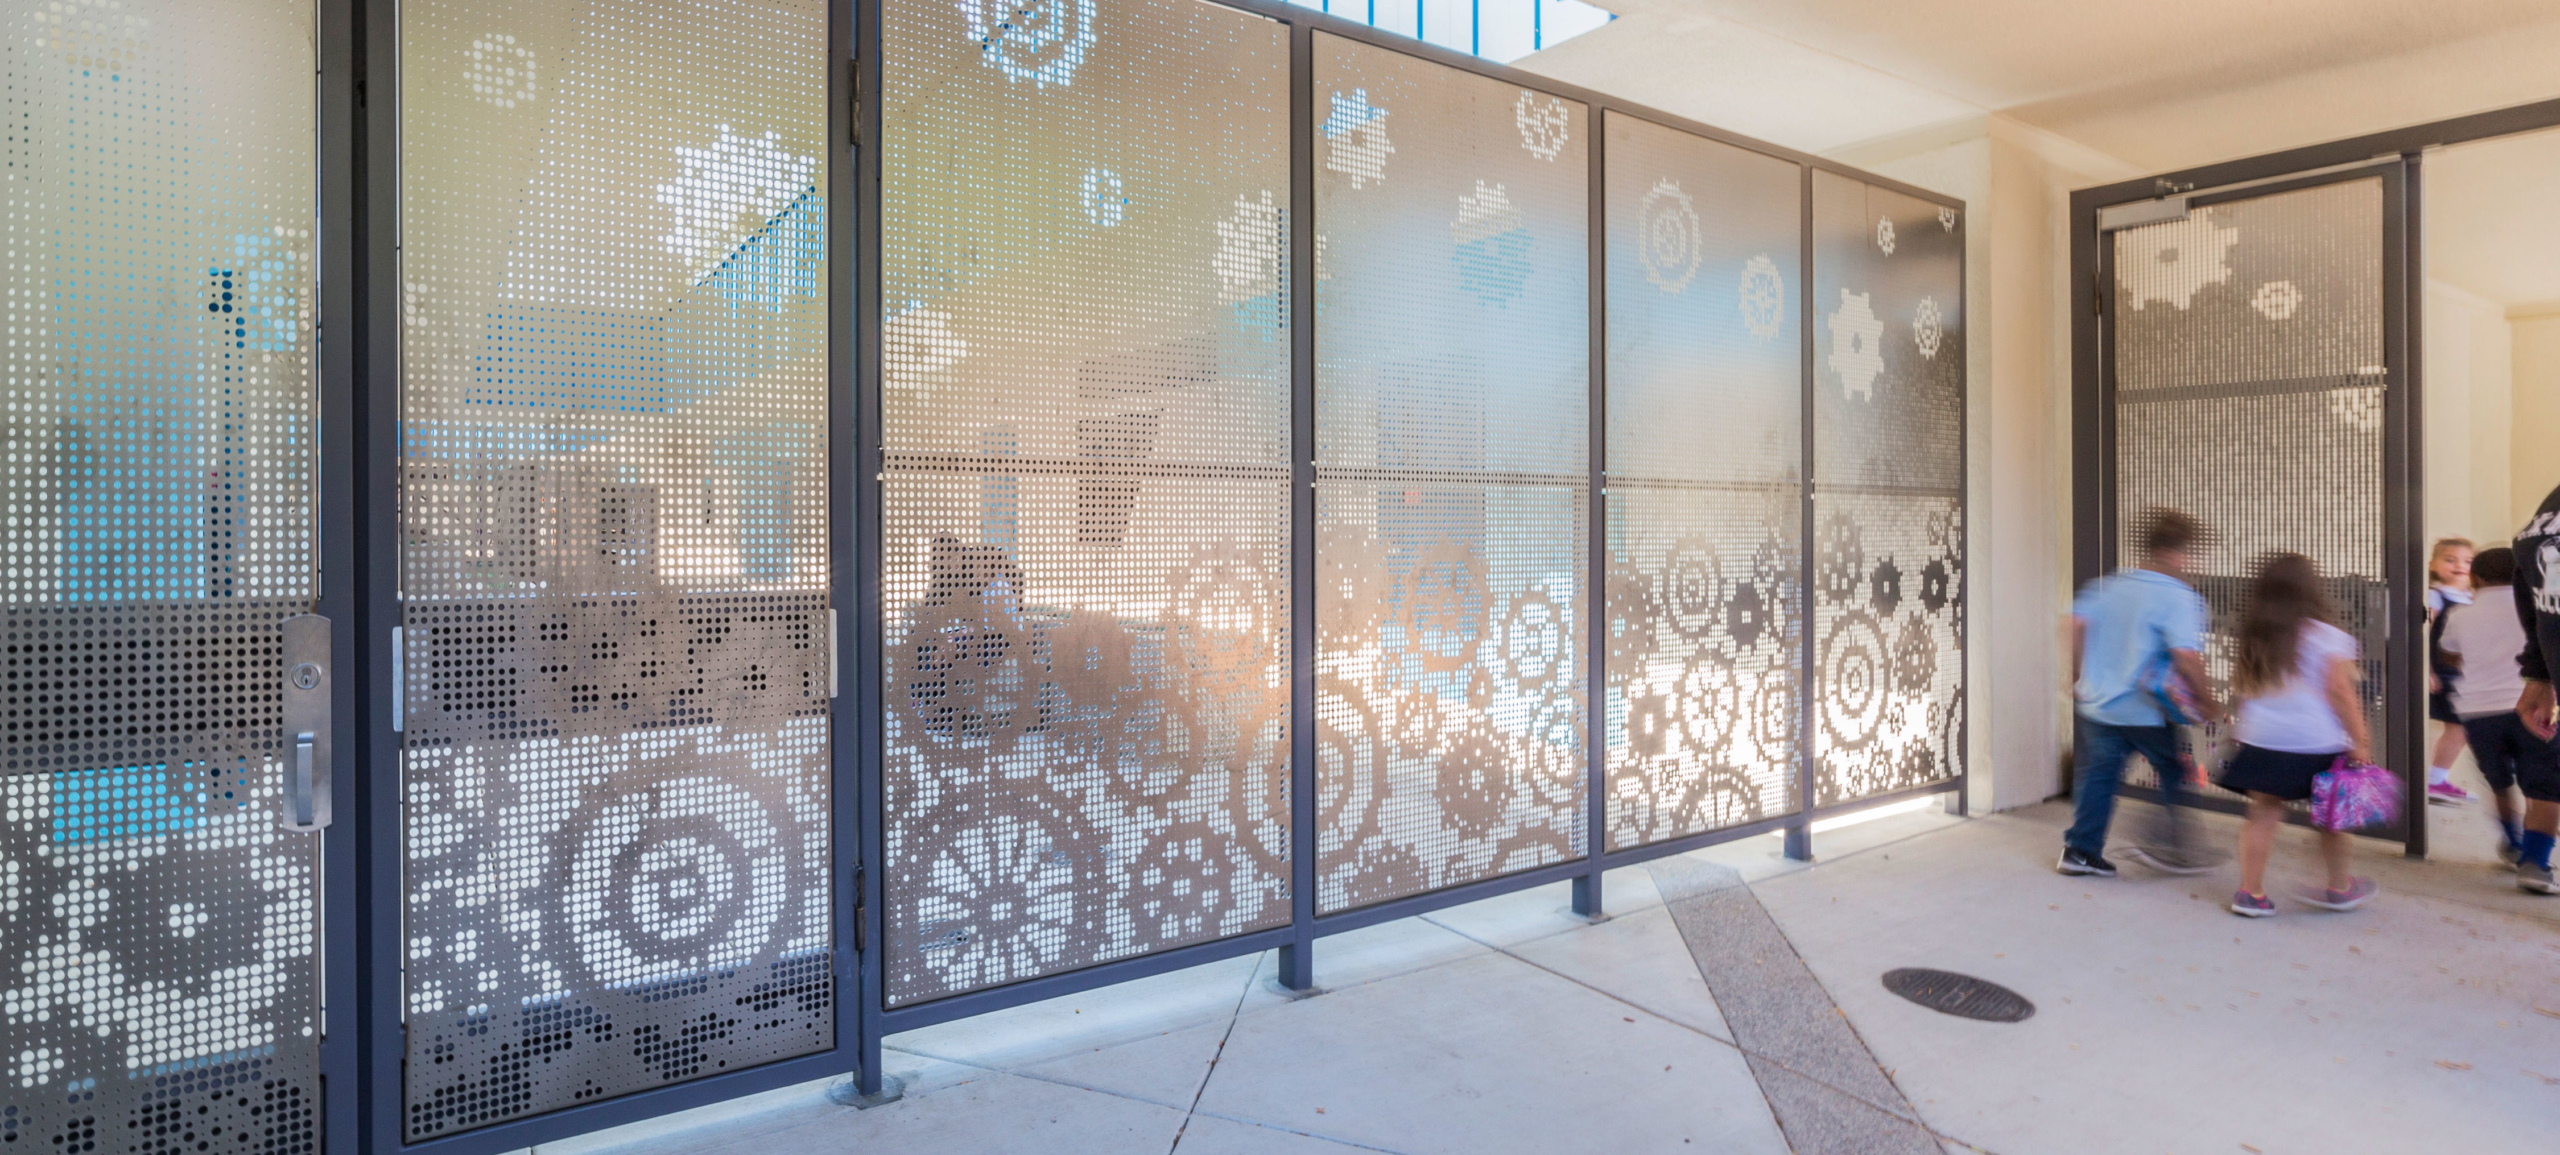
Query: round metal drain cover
point(1962, 995)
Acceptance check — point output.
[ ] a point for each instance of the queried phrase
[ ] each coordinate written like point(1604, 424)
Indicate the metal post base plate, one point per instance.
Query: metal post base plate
point(848, 1093)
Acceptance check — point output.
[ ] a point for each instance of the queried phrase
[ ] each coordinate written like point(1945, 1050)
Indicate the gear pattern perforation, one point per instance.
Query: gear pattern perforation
point(1705, 619)
point(615, 769)
point(1086, 369)
point(158, 961)
point(1889, 534)
point(1452, 475)
point(2261, 319)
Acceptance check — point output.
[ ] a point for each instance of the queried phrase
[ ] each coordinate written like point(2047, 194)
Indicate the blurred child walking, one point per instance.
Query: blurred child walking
point(2300, 709)
point(2449, 584)
point(2484, 641)
point(2137, 671)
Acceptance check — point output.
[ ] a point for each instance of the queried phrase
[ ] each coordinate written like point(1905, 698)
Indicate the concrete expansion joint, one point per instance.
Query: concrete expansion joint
point(1821, 1081)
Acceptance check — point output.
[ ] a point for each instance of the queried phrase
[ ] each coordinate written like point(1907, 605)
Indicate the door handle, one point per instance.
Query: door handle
point(306, 718)
point(302, 784)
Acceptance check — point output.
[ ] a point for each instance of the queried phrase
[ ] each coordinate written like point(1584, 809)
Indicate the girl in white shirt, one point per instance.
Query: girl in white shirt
point(2300, 710)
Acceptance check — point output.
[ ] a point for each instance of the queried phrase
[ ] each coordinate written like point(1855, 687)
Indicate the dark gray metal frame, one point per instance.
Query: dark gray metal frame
point(2394, 155)
point(1296, 942)
point(360, 390)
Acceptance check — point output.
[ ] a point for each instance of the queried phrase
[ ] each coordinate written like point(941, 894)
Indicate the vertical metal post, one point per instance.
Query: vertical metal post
point(2404, 497)
point(1297, 959)
point(373, 441)
point(853, 523)
point(1963, 801)
point(344, 847)
point(856, 444)
point(1799, 836)
point(1595, 650)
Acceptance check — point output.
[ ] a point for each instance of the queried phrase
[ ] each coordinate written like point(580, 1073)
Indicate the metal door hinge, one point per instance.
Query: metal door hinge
point(835, 664)
point(853, 101)
point(861, 919)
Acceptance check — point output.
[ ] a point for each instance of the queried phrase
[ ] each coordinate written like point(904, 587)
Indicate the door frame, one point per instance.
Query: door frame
point(2397, 156)
point(362, 102)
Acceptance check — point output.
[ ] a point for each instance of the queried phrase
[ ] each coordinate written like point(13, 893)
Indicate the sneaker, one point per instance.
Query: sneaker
point(2511, 854)
point(2170, 861)
point(2248, 905)
point(2358, 892)
point(2536, 879)
point(2447, 794)
point(2079, 862)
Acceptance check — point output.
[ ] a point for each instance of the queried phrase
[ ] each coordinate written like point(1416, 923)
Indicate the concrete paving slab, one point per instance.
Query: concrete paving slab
point(2166, 1024)
point(782, 1107)
point(1639, 958)
point(1628, 890)
point(1386, 950)
point(1862, 837)
point(1073, 1024)
point(1479, 1055)
point(924, 1074)
point(1004, 1113)
point(1509, 919)
point(1524, 915)
point(1208, 1135)
point(1167, 1069)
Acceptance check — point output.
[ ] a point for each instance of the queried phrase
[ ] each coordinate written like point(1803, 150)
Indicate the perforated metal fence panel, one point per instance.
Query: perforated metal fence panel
point(2250, 388)
point(1452, 405)
point(158, 925)
point(1705, 461)
point(1888, 468)
point(613, 549)
point(1086, 415)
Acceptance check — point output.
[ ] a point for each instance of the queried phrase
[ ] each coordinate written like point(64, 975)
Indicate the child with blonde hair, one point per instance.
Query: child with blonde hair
point(2449, 584)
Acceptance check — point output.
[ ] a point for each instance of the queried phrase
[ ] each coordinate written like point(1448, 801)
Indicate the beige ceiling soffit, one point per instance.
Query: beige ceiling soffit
point(1882, 150)
point(2061, 151)
point(2534, 310)
point(2052, 147)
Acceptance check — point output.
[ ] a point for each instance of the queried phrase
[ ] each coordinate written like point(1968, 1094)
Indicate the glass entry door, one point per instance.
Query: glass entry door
point(159, 972)
point(2255, 374)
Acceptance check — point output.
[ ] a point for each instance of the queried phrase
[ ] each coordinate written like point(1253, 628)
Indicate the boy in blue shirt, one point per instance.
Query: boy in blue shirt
point(2137, 665)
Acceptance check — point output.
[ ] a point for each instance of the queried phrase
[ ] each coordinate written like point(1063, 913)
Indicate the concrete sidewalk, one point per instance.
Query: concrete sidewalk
point(2430, 1021)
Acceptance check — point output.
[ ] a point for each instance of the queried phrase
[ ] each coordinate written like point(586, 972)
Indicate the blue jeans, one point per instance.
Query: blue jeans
point(2099, 754)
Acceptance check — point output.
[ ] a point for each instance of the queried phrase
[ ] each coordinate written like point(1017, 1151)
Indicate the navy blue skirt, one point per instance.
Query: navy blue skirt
point(2281, 773)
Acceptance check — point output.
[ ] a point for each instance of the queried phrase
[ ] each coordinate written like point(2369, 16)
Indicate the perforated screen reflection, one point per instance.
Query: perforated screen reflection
point(158, 927)
point(613, 548)
point(1452, 404)
point(1888, 452)
point(1086, 366)
point(1705, 453)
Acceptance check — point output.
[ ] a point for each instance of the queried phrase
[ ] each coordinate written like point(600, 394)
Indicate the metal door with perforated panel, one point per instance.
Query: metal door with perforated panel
point(158, 918)
point(2252, 380)
point(613, 570)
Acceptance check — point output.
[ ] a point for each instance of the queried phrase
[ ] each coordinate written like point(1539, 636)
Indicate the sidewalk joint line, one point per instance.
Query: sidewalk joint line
point(1251, 978)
